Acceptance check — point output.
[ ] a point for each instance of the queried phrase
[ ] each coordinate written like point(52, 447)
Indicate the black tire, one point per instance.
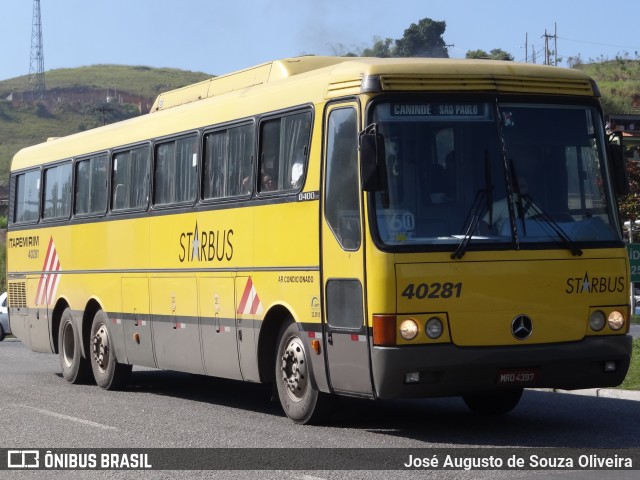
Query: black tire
point(495, 403)
point(108, 373)
point(75, 368)
point(2, 333)
point(300, 400)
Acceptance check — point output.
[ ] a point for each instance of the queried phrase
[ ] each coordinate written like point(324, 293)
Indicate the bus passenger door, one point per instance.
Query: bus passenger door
point(346, 341)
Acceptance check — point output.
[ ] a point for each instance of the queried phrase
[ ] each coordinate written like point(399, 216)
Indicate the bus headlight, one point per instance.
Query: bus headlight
point(433, 328)
point(596, 321)
point(409, 329)
point(616, 320)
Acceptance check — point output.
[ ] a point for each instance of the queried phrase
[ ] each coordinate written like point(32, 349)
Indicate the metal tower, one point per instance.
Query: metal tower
point(36, 67)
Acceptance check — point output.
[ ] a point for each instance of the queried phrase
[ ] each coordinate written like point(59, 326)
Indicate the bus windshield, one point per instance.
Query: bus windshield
point(491, 173)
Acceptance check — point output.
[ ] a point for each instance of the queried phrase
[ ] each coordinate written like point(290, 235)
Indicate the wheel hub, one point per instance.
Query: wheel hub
point(68, 345)
point(100, 347)
point(294, 369)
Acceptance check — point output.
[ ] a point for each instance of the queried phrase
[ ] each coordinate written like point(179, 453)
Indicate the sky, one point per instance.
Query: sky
point(222, 36)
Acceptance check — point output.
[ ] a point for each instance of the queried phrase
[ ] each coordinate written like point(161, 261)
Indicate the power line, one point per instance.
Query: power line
point(598, 43)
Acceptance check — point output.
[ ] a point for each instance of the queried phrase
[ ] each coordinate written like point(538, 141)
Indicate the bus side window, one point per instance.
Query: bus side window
point(121, 167)
point(284, 150)
point(26, 197)
point(57, 192)
point(342, 205)
point(269, 156)
point(130, 179)
point(226, 163)
point(176, 171)
point(91, 183)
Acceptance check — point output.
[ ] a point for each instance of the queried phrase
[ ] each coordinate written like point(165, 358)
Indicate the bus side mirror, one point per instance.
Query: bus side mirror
point(372, 164)
point(618, 164)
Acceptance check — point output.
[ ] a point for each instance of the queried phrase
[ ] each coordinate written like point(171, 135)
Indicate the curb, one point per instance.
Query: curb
point(599, 392)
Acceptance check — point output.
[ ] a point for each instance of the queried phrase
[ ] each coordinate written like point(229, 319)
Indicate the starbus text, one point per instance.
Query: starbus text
point(206, 246)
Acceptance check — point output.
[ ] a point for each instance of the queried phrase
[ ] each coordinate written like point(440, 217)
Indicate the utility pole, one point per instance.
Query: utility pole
point(36, 66)
point(547, 52)
point(546, 47)
point(555, 42)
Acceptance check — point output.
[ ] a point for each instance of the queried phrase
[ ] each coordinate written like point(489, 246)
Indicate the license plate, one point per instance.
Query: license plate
point(522, 376)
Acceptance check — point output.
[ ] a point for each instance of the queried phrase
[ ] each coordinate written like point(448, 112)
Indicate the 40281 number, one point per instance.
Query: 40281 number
point(432, 290)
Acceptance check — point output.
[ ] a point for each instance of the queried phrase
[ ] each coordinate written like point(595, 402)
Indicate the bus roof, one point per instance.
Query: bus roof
point(310, 79)
point(417, 73)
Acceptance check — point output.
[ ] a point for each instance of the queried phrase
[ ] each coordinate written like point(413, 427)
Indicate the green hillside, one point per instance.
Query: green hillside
point(618, 80)
point(79, 99)
point(143, 81)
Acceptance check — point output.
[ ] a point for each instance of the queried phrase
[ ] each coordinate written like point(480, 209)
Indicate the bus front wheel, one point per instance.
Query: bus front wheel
point(495, 403)
point(109, 374)
point(301, 402)
point(75, 368)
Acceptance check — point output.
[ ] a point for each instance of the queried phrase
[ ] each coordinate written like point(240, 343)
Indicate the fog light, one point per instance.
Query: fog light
point(616, 320)
point(609, 366)
point(596, 321)
point(412, 377)
point(409, 329)
point(433, 328)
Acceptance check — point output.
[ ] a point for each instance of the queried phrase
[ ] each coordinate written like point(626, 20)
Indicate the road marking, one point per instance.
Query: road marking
point(67, 417)
point(310, 477)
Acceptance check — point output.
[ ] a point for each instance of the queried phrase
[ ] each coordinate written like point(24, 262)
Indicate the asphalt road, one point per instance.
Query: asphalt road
point(39, 409)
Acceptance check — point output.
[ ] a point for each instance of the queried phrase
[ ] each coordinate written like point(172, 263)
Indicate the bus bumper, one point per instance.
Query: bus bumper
point(448, 370)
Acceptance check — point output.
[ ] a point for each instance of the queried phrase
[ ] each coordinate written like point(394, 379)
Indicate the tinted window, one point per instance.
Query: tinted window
point(27, 197)
point(176, 171)
point(57, 192)
point(130, 185)
point(91, 185)
point(342, 205)
point(284, 148)
point(226, 168)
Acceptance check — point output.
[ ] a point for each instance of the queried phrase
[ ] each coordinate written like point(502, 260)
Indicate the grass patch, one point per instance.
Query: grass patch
point(24, 123)
point(632, 381)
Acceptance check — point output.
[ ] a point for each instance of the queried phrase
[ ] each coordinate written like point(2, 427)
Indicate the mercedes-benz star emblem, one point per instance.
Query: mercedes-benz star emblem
point(521, 327)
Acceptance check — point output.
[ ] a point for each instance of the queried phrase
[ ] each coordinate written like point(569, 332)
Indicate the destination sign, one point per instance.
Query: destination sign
point(467, 110)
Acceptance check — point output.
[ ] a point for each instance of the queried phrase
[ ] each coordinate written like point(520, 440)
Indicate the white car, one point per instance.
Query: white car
point(4, 317)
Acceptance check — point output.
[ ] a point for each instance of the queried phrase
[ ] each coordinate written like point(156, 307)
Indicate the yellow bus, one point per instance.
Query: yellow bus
point(379, 228)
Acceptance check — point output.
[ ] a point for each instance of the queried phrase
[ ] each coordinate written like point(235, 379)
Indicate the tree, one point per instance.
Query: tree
point(629, 205)
point(476, 54)
point(499, 54)
point(381, 48)
point(423, 39)
point(495, 54)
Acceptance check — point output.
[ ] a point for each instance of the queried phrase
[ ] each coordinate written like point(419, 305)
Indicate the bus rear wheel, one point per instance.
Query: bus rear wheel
point(300, 400)
point(494, 403)
point(75, 368)
point(109, 374)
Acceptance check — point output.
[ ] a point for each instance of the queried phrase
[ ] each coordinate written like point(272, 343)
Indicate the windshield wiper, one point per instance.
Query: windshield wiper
point(539, 213)
point(477, 207)
point(475, 211)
